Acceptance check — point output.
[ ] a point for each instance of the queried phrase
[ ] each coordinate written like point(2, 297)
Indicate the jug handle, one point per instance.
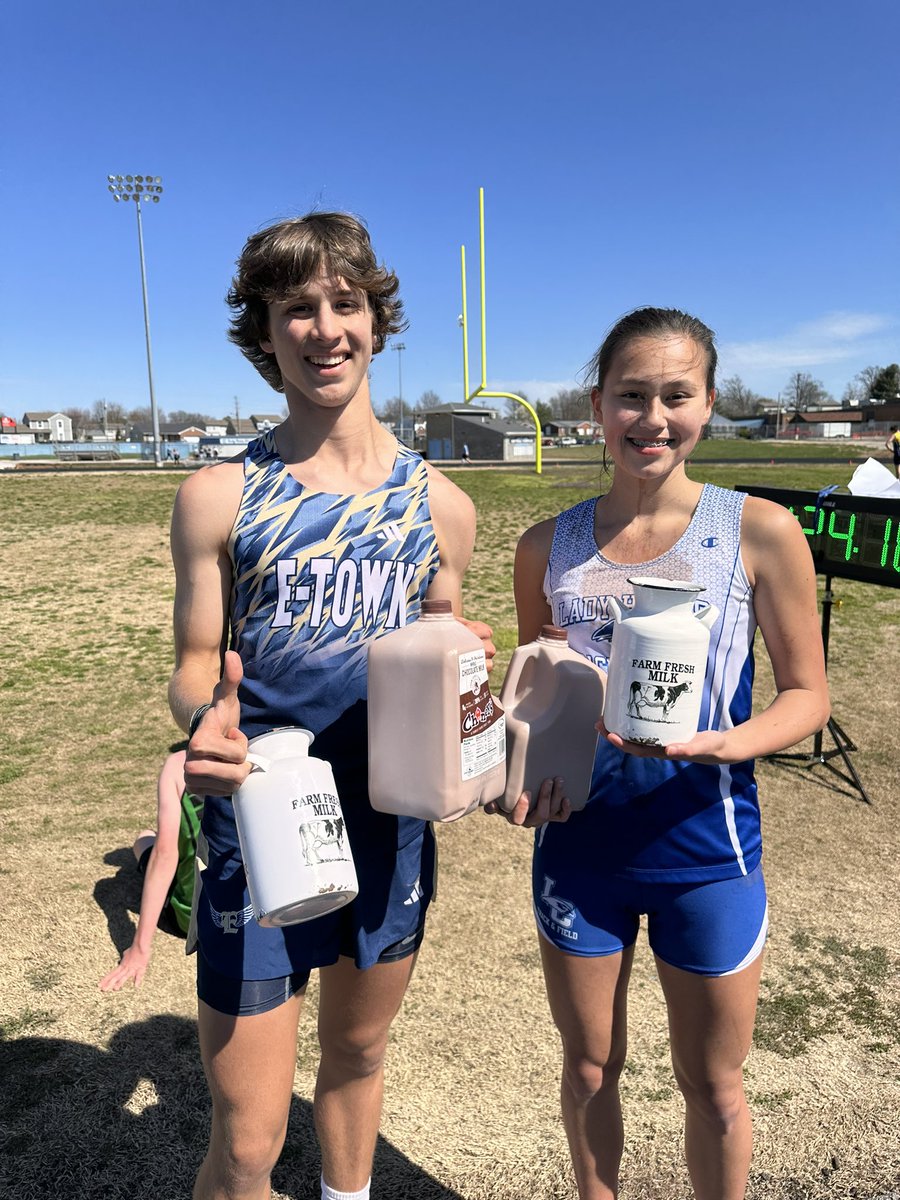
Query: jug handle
point(708, 616)
point(615, 608)
point(521, 655)
point(257, 760)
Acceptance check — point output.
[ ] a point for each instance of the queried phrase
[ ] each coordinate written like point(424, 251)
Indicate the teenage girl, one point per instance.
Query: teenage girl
point(672, 832)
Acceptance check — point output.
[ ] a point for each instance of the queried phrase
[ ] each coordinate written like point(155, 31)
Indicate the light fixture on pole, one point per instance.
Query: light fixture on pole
point(142, 189)
point(400, 347)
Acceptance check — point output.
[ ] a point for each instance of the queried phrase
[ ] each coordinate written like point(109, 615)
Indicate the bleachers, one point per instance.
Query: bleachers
point(84, 452)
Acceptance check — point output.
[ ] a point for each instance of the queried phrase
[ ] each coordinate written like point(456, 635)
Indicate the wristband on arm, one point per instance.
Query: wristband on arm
point(196, 717)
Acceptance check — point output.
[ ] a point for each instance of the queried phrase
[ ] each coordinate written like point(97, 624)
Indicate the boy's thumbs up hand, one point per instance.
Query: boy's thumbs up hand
point(216, 755)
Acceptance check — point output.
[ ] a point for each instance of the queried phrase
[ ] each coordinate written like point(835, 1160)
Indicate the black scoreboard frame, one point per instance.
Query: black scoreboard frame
point(851, 537)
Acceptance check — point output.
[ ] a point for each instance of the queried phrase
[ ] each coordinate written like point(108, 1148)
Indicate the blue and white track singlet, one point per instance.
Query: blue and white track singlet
point(650, 818)
point(316, 576)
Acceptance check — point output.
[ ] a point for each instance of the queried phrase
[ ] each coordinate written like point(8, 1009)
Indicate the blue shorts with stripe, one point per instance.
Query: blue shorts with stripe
point(395, 859)
point(708, 928)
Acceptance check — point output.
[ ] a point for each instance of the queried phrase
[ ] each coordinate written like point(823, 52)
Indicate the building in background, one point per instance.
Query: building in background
point(449, 427)
point(48, 426)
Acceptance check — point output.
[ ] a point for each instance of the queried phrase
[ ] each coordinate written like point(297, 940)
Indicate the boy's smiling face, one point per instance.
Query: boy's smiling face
point(322, 338)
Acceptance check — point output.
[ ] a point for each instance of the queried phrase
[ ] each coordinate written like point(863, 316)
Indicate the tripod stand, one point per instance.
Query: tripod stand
point(842, 743)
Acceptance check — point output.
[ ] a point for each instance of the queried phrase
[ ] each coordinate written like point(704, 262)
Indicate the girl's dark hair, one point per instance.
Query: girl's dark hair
point(280, 261)
point(652, 322)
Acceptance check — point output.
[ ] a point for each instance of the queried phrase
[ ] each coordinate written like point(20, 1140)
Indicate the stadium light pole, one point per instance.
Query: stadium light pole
point(400, 347)
point(142, 189)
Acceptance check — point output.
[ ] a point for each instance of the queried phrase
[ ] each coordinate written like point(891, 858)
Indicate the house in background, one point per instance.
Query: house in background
point(169, 431)
point(720, 426)
point(48, 426)
point(253, 425)
point(450, 427)
point(115, 431)
point(832, 422)
point(582, 430)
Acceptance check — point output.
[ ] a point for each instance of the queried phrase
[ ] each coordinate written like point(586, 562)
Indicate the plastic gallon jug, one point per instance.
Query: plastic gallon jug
point(437, 737)
point(657, 663)
point(291, 830)
point(552, 697)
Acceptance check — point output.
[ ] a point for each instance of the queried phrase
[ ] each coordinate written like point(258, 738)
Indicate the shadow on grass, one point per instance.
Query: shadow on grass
point(132, 1121)
point(118, 896)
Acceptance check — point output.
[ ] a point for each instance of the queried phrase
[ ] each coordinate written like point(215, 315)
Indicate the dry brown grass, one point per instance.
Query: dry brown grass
point(103, 1096)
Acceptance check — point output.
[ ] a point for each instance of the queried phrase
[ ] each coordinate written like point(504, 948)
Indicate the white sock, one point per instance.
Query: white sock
point(329, 1193)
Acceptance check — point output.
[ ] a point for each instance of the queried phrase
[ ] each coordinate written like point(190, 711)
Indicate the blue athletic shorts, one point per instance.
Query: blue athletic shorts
point(396, 867)
point(248, 997)
point(712, 929)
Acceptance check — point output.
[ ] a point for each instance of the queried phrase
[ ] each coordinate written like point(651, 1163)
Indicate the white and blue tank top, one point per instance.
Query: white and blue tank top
point(649, 818)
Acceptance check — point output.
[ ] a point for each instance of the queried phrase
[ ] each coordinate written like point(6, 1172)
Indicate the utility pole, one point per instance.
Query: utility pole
point(142, 189)
point(400, 347)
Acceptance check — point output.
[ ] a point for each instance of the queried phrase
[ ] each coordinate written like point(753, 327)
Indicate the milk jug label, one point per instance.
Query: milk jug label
point(482, 723)
point(657, 689)
point(323, 837)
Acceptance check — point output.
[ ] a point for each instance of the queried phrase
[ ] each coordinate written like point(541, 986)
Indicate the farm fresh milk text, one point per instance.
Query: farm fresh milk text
point(657, 663)
point(437, 736)
point(291, 829)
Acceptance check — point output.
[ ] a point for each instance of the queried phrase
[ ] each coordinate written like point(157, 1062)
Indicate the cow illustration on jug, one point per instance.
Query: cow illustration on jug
point(316, 835)
point(650, 696)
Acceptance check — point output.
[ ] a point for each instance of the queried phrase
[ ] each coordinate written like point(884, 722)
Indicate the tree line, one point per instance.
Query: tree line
point(801, 392)
point(734, 399)
point(568, 404)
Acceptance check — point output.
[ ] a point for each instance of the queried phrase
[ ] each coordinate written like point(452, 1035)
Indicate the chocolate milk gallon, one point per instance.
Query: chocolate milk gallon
point(552, 697)
point(437, 737)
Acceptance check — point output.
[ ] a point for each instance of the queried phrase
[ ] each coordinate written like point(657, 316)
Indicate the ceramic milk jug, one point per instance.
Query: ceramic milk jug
point(657, 663)
point(552, 697)
point(437, 737)
point(291, 830)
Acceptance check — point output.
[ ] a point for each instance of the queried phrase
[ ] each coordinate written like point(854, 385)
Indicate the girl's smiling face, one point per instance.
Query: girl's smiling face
point(654, 403)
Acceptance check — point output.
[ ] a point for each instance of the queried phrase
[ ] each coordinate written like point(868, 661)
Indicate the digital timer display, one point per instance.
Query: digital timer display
point(851, 537)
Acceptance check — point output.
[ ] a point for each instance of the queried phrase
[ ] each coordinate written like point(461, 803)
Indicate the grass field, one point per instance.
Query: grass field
point(103, 1096)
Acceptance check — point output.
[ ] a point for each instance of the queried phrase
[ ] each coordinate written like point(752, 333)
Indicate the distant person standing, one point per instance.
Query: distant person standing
point(893, 443)
point(465, 454)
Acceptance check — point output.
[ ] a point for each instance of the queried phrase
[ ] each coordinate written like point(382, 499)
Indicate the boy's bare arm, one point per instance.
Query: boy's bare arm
point(201, 524)
point(205, 673)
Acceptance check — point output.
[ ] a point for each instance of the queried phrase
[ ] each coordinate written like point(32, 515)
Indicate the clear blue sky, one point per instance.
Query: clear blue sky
point(739, 161)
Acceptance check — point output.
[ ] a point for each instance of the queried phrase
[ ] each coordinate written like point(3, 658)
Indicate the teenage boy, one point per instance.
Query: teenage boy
point(325, 534)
